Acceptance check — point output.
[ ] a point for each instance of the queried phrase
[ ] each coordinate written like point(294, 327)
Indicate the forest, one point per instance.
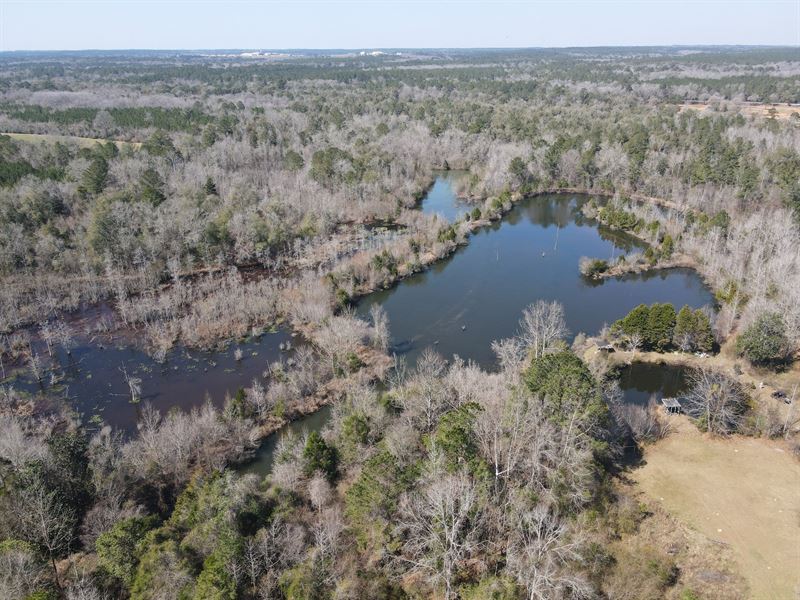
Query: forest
point(178, 203)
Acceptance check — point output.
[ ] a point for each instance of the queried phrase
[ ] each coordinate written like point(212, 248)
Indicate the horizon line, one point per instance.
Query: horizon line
point(395, 48)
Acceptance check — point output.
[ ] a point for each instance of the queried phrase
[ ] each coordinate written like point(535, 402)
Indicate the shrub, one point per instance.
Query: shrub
point(592, 267)
point(119, 549)
point(319, 456)
point(765, 341)
point(667, 247)
point(447, 234)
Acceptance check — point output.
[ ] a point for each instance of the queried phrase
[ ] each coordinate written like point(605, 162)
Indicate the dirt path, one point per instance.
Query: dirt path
point(743, 492)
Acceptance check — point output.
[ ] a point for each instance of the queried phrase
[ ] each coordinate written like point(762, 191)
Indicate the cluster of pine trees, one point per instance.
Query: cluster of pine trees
point(658, 327)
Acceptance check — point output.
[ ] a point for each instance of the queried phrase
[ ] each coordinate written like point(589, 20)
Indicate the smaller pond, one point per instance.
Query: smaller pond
point(641, 381)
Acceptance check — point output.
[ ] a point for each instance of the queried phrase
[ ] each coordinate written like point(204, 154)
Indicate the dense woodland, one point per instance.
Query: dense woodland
point(223, 195)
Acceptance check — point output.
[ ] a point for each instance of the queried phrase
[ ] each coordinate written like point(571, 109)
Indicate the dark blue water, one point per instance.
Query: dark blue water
point(533, 253)
point(463, 303)
point(641, 382)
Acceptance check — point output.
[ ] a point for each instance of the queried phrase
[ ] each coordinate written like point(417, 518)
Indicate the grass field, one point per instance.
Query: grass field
point(81, 141)
point(742, 492)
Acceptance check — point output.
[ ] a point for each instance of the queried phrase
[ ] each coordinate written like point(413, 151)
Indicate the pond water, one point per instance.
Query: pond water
point(463, 303)
point(94, 384)
point(532, 253)
point(642, 381)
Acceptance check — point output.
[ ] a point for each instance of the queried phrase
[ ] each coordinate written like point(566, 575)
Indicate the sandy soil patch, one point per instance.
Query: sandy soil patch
point(81, 141)
point(779, 111)
point(742, 492)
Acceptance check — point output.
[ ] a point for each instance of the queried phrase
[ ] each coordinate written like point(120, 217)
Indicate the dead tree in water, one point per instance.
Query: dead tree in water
point(134, 385)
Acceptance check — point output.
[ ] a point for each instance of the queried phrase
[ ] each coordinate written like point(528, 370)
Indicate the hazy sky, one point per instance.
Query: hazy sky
point(107, 24)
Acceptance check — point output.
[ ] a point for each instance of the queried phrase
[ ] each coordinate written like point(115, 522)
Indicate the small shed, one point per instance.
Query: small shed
point(671, 405)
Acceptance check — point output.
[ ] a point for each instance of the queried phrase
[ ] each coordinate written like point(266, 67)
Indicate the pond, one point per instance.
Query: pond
point(641, 381)
point(463, 303)
point(459, 306)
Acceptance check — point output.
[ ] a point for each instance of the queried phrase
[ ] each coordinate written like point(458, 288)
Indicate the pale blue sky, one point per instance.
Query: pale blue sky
point(184, 24)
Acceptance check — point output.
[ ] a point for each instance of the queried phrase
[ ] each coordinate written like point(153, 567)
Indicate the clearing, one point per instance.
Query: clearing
point(777, 111)
point(742, 492)
point(81, 141)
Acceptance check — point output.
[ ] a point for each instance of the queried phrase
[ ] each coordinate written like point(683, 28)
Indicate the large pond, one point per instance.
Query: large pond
point(465, 302)
point(461, 304)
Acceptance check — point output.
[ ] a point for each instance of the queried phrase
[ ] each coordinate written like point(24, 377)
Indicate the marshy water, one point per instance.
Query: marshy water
point(459, 306)
point(92, 377)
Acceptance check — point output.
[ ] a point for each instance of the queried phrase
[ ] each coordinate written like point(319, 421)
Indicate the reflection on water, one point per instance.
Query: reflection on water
point(642, 381)
point(532, 253)
point(478, 294)
point(459, 306)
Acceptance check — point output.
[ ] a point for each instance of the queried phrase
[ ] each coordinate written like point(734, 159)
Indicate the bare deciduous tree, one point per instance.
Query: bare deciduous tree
point(319, 491)
point(380, 327)
point(44, 520)
point(716, 400)
point(635, 341)
point(542, 325)
point(425, 397)
point(134, 385)
point(439, 525)
point(21, 572)
point(542, 555)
